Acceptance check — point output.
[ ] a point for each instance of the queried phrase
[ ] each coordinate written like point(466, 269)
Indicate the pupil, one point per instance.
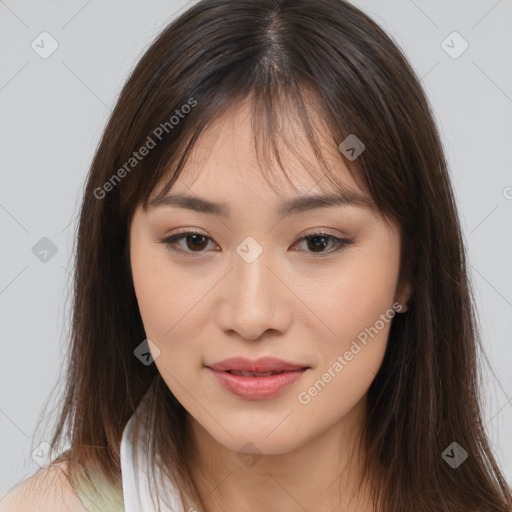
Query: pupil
point(318, 245)
point(195, 237)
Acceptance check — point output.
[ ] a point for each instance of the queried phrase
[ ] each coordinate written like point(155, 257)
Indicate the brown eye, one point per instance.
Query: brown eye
point(317, 242)
point(194, 243)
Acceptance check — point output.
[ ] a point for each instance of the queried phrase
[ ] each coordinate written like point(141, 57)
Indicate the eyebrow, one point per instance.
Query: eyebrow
point(289, 207)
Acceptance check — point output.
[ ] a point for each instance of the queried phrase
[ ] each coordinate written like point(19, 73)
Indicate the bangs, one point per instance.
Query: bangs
point(283, 121)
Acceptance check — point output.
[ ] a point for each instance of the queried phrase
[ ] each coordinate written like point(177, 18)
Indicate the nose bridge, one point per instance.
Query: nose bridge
point(251, 303)
point(252, 278)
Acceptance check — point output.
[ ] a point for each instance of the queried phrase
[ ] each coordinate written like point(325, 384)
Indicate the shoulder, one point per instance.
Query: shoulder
point(48, 490)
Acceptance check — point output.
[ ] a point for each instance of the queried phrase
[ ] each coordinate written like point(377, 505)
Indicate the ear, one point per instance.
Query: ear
point(403, 295)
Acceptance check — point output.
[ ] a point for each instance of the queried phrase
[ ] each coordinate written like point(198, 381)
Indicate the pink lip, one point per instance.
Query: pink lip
point(257, 388)
point(264, 364)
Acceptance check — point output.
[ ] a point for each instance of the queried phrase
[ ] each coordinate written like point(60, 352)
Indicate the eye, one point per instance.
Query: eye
point(319, 240)
point(196, 242)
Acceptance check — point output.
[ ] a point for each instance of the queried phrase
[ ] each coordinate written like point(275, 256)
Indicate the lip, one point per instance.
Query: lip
point(252, 387)
point(264, 364)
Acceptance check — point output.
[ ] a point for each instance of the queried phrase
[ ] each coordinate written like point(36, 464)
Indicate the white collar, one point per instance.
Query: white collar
point(135, 482)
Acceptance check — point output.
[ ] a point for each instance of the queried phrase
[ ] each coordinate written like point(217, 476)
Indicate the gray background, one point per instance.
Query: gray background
point(53, 112)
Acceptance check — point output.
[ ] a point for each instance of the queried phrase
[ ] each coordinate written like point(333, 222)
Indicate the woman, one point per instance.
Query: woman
point(246, 341)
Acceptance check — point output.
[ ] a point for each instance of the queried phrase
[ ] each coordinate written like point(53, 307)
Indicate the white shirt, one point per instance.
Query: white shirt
point(135, 482)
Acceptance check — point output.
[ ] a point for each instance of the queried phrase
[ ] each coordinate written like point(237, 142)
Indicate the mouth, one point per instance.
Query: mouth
point(259, 367)
point(256, 380)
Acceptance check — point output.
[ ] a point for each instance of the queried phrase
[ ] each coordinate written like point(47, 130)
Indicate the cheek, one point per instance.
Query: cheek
point(163, 295)
point(150, 289)
point(356, 297)
point(356, 307)
point(171, 308)
point(347, 365)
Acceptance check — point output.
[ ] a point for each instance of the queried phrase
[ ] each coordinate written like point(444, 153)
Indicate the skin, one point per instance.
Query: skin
point(287, 303)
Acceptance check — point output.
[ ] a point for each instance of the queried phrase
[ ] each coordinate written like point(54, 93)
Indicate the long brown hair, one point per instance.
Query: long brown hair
point(316, 59)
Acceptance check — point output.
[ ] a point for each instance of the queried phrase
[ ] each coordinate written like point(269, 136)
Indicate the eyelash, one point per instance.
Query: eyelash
point(339, 243)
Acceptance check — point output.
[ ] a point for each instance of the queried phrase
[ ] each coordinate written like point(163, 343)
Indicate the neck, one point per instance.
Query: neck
point(320, 474)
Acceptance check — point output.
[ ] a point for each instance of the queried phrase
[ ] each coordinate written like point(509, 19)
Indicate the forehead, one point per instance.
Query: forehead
point(225, 160)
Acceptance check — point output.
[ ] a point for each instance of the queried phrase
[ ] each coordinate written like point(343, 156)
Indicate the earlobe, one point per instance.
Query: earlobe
point(401, 304)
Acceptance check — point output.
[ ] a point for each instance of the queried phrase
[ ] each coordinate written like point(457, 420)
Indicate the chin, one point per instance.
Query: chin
point(257, 441)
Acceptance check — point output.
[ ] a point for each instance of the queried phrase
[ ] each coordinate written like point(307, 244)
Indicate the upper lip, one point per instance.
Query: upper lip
point(264, 364)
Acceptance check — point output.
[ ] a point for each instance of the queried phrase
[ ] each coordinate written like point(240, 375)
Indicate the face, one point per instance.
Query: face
point(311, 287)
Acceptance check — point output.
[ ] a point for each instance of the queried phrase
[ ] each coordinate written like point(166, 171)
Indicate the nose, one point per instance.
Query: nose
point(255, 299)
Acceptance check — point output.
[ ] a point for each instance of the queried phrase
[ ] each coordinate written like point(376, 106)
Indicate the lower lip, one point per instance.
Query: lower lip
point(257, 388)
